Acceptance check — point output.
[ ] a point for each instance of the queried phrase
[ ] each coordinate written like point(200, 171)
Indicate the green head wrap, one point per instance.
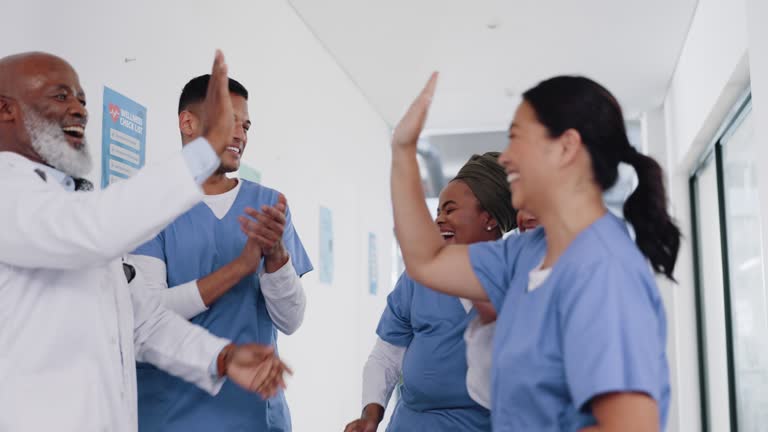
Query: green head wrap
point(488, 181)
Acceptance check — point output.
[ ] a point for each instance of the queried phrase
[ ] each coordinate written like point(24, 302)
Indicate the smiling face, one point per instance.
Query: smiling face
point(530, 160)
point(461, 219)
point(50, 115)
point(192, 128)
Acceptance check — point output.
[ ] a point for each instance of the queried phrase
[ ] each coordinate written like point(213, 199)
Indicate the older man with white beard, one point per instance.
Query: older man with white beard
point(71, 329)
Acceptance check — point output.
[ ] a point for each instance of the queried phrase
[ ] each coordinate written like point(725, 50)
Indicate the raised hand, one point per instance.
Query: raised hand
point(217, 114)
point(409, 128)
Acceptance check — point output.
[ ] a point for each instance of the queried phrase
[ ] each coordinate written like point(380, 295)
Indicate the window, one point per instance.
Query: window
point(749, 308)
point(711, 297)
point(732, 299)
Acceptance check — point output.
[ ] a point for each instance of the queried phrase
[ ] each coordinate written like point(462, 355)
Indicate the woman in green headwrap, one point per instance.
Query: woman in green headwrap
point(421, 331)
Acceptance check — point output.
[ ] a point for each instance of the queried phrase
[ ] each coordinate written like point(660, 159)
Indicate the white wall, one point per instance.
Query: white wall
point(700, 93)
point(727, 38)
point(655, 144)
point(314, 137)
point(711, 73)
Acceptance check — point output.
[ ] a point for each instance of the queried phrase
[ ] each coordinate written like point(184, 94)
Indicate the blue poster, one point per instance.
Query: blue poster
point(123, 137)
point(326, 246)
point(373, 265)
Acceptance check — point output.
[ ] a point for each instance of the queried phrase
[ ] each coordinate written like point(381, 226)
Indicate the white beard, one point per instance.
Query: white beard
point(50, 142)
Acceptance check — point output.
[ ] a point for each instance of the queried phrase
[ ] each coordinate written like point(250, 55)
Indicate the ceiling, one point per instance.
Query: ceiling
point(489, 51)
point(455, 149)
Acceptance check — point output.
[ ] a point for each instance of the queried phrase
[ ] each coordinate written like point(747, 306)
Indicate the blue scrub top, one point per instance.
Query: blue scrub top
point(431, 327)
point(596, 325)
point(193, 246)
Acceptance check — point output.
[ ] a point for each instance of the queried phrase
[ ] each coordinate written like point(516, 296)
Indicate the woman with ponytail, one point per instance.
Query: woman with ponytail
point(581, 331)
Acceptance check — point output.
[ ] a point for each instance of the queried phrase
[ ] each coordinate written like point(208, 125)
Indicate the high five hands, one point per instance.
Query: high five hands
point(217, 114)
point(407, 132)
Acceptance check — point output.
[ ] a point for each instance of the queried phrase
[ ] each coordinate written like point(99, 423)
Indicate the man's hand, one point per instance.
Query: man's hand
point(254, 367)
point(217, 114)
point(407, 132)
point(267, 231)
point(250, 257)
point(369, 421)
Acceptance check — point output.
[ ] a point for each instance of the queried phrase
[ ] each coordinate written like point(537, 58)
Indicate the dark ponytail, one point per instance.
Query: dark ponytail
point(646, 209)
point(570, 102)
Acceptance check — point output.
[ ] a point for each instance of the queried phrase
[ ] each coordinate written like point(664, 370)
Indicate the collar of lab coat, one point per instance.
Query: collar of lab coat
point(59, 177)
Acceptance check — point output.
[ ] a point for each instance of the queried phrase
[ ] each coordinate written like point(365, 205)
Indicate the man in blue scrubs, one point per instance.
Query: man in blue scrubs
point(236, 276)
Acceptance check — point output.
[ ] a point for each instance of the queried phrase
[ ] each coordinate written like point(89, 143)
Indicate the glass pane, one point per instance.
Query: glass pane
point(748, 296)
point(713, 299)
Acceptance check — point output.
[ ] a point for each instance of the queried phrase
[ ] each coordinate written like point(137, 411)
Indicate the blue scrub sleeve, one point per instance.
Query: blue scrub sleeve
point(613, 336)
point(299, 257)
point(154, 248)
point(492, 264)
point(395, 323)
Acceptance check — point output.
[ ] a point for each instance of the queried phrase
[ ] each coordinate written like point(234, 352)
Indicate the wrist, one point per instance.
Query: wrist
point(276, 260)
point(373, 411)
point(223, 359)
point(217, 143)
point(404, 151)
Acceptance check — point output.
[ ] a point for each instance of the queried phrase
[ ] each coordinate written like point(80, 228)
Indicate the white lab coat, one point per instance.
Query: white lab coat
point(70, 327)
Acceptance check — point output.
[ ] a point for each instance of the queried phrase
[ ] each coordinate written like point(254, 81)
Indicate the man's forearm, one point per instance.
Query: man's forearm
point(173, 344)
point(46, 228)
point(216, 284)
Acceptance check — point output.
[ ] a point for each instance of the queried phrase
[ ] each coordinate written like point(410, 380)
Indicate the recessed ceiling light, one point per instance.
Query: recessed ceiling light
point(493, 24)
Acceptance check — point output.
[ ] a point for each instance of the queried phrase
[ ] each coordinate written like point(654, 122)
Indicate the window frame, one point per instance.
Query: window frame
point(713, 153)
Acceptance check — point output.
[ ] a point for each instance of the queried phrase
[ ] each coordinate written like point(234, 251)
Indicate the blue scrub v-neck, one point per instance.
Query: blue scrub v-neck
point(195, 245)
